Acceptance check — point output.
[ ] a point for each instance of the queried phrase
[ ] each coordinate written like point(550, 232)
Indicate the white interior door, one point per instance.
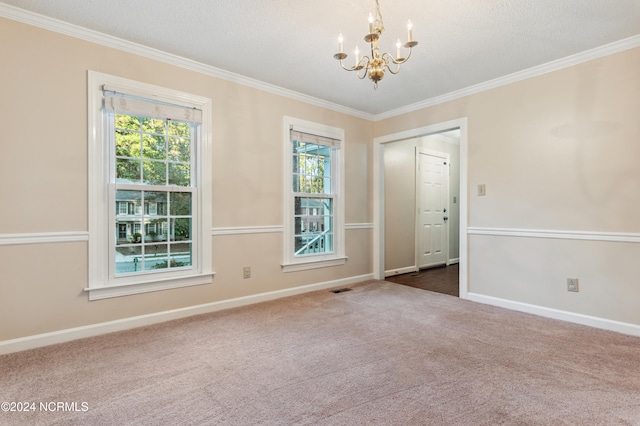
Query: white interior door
point(432, 199)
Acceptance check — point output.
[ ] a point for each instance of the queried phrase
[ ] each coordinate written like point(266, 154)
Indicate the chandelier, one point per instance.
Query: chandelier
point(374, 66)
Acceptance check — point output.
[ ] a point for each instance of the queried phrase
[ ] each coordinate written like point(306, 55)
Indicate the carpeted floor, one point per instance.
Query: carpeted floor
point(381, 354)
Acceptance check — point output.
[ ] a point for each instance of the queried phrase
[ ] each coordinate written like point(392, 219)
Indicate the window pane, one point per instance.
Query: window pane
point(311, 166)
point(180, 255)
point(296, 183)
point(309, 185)
point(296, 146)
point(154, 147)
point(180, 204)
point(128, 209)
point(155, 172)
point(153, 201)
point(129, 198)
point(313, 225)
point(127, 144)
point(128, 259)
point(157, 230)
point(179, 174)
point(328, 242)
point(177, 128)
point(181, 229)
point(155, 256)
point(179, 149)
point(127, 171)
point(298, 243)
point(153, 125)
point(127, 122)
point(318, 185)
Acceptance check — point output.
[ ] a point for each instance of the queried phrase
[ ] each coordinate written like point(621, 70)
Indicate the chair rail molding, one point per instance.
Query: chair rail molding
point(43, 238)
point(623, 237)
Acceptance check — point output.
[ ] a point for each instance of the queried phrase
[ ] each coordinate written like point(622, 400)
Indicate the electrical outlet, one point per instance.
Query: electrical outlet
point(482, 190)
point(572, 284)
point(246, 272)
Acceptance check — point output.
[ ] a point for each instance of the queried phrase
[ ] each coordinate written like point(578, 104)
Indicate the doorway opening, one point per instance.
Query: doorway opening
point(420, 210)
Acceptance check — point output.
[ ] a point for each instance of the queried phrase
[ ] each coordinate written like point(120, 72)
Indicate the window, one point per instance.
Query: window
point(312, 190)
point(314, 218)
point(122, 207)
point(150, 197)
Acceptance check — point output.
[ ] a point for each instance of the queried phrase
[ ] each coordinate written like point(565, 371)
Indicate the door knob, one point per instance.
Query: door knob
point(445, 218)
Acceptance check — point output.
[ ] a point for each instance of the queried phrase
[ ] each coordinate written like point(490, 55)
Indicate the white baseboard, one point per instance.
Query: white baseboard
point(453, 261)
point(602, 323)
point(61, 336)
point(399, 271)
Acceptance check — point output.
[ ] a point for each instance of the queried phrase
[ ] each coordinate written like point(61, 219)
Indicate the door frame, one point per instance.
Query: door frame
point(378, 193)
point(418, 151)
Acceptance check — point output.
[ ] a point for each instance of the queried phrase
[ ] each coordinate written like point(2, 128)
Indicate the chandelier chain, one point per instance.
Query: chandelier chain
point(380, 15)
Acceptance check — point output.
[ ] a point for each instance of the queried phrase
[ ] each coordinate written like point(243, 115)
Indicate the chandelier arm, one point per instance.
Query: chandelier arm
point(388, 59)
point(392, 71)
point(363, 64)
point(357, 66)
point(403, 59)
point(347, 69)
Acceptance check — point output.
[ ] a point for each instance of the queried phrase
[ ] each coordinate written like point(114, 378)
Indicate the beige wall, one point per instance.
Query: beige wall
point(400, 201)
point(43, 167)
point(399, 206)
point(557, 152)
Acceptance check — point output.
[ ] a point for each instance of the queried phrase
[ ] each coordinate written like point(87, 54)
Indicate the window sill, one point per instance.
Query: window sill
point(313, 264)
point(97, 293)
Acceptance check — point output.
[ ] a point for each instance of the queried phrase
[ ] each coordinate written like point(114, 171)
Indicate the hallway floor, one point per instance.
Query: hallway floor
point(441, 279)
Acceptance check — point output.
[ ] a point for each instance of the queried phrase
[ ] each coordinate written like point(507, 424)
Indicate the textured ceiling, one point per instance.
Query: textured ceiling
point(290, 43)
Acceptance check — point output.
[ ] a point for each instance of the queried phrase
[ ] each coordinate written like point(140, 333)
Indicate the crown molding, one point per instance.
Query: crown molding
point(76, 31)
point(578, 58)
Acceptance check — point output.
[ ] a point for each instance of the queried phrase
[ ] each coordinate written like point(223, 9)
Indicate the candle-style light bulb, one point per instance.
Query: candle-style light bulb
point(357, 53)
point(370, 23)
point(410, 30)
point(398, 44)
point(340, 43)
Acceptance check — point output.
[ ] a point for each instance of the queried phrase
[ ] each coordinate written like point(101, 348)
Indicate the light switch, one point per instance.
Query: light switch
point(482, 190)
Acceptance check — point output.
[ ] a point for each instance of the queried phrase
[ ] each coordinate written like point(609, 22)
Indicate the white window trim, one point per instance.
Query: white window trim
point(291, 263)
point(100, 286)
